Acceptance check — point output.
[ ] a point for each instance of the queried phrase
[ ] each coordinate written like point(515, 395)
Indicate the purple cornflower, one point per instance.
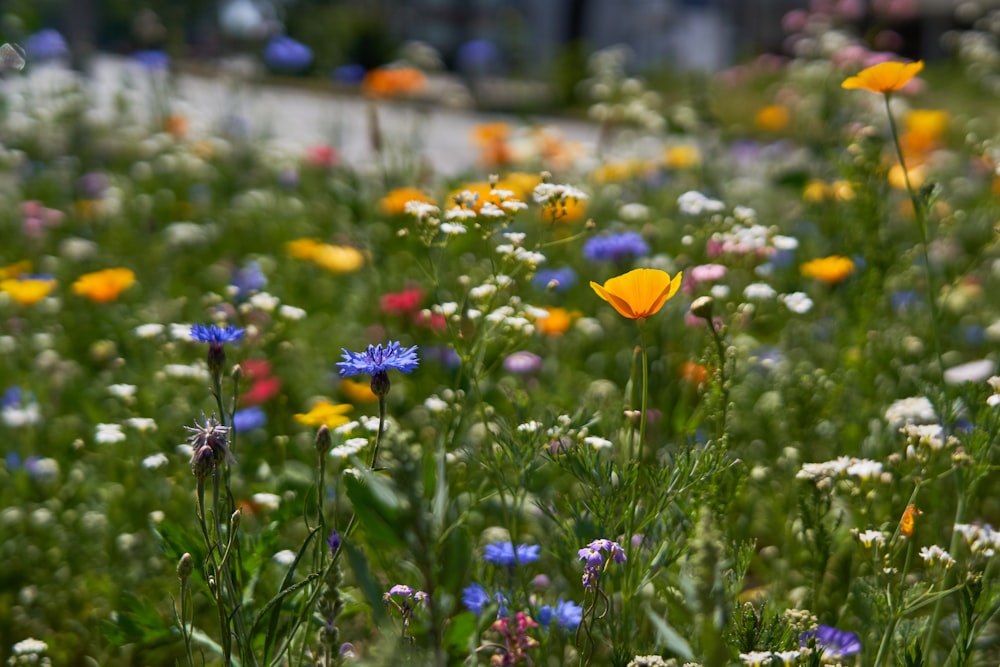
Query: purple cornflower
point(593, 554)
point(615, 247)
point(333, 541)
point(401, 589)
point(835, 643)
point(475, 597)
point(566, 615)
point(213, 334)
point(522, 362)
point(503, 553)
point(46, 44)
point(248, 279)
point(285, 54)
point(377, 361)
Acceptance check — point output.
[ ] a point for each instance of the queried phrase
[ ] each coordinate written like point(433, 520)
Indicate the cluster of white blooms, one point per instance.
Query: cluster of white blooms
point(797, 302)
point(109, 434)
point(982, 540)
point(195, 371)
point(934, 555)
point(922, 439)
point(869, 538)
point(994, 399)
point(759, 292)
point(843, 466)
point(693, 202)
point(914, 410)
point(350, 447)
point(30, 652)
point(765, 657)
point(521, 255)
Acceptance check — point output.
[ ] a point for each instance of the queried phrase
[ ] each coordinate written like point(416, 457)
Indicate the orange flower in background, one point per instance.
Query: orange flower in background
point(357, 391)
point(522, 184)
point(925, 130)
point(15, 270)
point(393, 82)
point(695, 374)
point(325, 413)
point(682, 156)
point(334, 258)
point(556, 323)
point(177, 125)
point(104, 286)
point(491, 138)
point(28, 290)
point(830, 270)
point(772, 118)
point(906, 524)
point(481, 192)
point(887, 77)
point(394, 201)
point(638, 293)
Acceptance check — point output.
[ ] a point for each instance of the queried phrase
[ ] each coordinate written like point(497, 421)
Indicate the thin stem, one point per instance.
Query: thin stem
point(723, 387)
point(645, 389)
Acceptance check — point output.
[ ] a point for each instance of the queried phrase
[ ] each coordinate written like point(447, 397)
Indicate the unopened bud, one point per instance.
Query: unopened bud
point(702, 307)
point(234, 520)
point(185, 566)
point(323, 442)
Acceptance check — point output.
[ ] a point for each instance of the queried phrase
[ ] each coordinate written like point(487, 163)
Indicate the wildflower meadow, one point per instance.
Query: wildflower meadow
point(719, 387)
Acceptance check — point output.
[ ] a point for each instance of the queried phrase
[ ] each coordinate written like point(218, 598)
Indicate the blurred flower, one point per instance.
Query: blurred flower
point(325, 413)
point(357, 392)
point(681, 156)
point(772, 118)
point(475, 597)
point(248, 279)
point(393, 81)
point(322, 156)
point(152, 59)
point(338, 259)
point(504, 553)
point(243, 19)
point(615, 247)
point(566, 615)
point(394, 202)
point(248, 419)
point(15, 270)
point(261, 391)
point(522, 362)
point(559, 280)
point(887, 77)
point(492, 140)
point(18, 408)
point(46, 44)
point(215, 335)
point(693, 202)
point(830, 270)
point(406, 302)
point(351, 73)
point(907, 522)
point(284, 54)
point(834, 643)
point(333, 541)
point(476, 55)
point(35, 218)
point(639, 293)
point(104, 286)
point(556, 322)
point(109, 434)
point(28, 290)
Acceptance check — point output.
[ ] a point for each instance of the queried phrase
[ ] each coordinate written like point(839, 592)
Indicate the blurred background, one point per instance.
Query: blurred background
point(545, 42)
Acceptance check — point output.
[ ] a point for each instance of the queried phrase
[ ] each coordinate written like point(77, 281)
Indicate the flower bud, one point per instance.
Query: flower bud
point(185, 566)
point(702, 307)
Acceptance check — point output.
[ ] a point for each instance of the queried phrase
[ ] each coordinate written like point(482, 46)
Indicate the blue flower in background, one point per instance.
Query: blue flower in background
point(503, 553)
point(835, 643)
point(477, 54)
point(284, 54)
point(566, 615)
point(475, 597)
point(615, 247)
point(561, 279)
point(352, 74)
point(47, 44)
point(248, 279)
point(214, 335)
point(378, 359)
point(152, 59)
point(248, 419)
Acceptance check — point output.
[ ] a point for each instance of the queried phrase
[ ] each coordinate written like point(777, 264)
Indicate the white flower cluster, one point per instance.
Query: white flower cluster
point(994, 399)
point(935, 555)
point(870, 538)
point(765, 657)
point(843, 466)
point(922, 439)
point(982, 540)
point(30, 652)
point(693, 202)
point(914, 410)
point(555, 196)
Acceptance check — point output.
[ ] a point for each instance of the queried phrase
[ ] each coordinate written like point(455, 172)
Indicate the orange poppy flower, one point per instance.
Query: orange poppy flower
point(28, 290)
point(556, 323)
point(638, 293)
point(394, 202)
point(393, 81)
point(104, 286)
point(887, 77)
point(909, 518)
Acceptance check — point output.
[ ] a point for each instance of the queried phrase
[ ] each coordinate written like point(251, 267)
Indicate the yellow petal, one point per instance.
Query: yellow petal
point(639, 293)
point(884, 77)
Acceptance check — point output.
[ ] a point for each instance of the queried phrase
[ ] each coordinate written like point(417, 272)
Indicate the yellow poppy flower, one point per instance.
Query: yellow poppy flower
point(829, 270)
point(14, 270)
point(335, 258)
point(394, 202)
point(325, 413)
point(28, 290)
point(887, 77)
point(104, 286)
point(682, 156)
point(772, 118)
point(638, 293)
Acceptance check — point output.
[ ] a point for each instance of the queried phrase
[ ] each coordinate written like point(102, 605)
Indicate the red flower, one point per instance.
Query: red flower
point(402, 303)
point(261, 391)
point(321, 156)
point(255, 369)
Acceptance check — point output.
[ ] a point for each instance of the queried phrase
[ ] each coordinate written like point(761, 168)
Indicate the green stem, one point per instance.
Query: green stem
point(645, 389)
point(723, 387)
point(952, 549)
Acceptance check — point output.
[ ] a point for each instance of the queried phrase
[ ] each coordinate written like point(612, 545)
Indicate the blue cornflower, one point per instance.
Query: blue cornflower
point(46, 44)
point(615, 247)
point(248, 279)
point(216, 335)
point(351, 74)
point(503, 553)
point(475, 597)
point(377, 361)
point(248, 419)
point(152, 59)
point(566, 615)
point(333, 541)
point(285, 54)
point(560, 279)
point(835, 643)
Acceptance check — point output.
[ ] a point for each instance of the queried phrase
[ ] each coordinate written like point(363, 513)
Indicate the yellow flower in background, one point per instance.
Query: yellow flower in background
point(15, 270)
point(28, 290)
point(929, 123)
point(325, 413)
point(887, 77)
point(556, 323)
point(897, 175)
point(394, 202)
point(357, 391)
point(522, 184)
point(104, 286)
point(829, 270)
point(772, 118)
point(335, 258)
point(612, 172)
point(638, 293)
point(681, 156)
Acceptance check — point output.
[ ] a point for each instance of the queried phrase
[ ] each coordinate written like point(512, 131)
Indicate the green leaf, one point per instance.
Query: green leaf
point(377, 509)
point(670, 638)
point(363, 576)
point(458, 636)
